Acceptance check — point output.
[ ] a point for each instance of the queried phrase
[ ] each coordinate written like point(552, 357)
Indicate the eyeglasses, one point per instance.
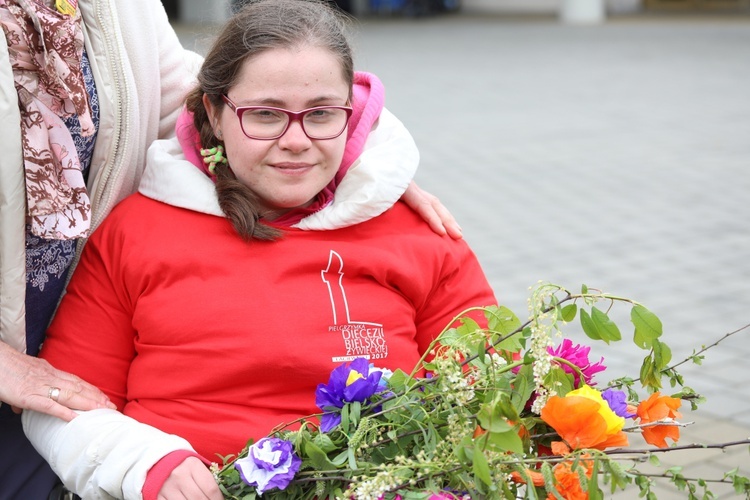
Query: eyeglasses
point(266, 123)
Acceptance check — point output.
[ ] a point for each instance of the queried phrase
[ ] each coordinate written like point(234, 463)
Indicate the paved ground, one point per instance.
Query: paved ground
point(617, 156)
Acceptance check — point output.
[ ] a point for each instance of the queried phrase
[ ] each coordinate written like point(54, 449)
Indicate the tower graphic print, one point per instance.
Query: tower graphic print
point(361, 339)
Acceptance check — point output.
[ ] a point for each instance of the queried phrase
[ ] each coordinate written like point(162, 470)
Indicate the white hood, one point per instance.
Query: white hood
point(374, 182)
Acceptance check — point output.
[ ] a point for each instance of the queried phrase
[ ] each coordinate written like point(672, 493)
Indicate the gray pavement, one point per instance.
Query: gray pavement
point(616, 155)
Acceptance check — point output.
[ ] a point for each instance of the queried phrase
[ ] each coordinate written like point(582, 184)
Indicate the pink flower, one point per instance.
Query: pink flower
point(579, 356)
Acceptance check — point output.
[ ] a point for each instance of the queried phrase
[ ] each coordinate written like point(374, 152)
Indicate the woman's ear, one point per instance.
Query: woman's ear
point(213, 116)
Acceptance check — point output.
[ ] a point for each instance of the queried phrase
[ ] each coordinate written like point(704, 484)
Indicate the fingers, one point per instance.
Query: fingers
point(61, 392)
point(44, 404)
point(448, 221)
point(190, 480)
point(430, 208)
point(80, 395)
point(27, 382)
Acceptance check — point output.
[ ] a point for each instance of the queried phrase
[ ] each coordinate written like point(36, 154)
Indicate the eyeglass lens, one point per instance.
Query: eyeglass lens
point(320, 123)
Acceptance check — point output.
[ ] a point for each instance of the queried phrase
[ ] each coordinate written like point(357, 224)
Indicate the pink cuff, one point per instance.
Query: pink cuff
point(158, 474)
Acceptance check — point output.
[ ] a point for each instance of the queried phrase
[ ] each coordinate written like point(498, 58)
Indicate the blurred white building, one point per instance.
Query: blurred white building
point(216, 11)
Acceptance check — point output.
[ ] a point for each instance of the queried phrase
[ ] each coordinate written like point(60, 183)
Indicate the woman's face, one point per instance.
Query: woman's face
point(290, 171)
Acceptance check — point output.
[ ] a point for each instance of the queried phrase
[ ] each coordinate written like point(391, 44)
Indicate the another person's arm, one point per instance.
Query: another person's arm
point(429, 207)
point(28, 383)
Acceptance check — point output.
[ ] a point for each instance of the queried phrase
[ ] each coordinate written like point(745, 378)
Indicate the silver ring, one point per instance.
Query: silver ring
point(54, 393)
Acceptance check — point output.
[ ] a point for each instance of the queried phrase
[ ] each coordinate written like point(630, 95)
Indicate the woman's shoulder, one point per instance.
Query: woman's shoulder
point(136, 212)
point(135, 205)
point(404, 220)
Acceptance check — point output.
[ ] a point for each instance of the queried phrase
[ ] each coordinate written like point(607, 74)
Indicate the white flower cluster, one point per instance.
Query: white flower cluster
point(374, 488)
point(497, 361)
point(455, 386)
point(541, 326)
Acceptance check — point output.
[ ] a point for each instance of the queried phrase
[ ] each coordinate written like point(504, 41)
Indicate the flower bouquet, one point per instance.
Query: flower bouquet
point(503, 412)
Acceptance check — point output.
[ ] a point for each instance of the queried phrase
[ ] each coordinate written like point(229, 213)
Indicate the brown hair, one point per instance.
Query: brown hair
point(259, 26)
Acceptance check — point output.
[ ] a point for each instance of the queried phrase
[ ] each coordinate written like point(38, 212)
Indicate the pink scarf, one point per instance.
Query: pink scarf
point(45, 49)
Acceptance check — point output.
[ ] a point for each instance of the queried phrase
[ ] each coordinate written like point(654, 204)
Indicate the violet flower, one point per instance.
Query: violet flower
point(270, 463)
point(347, 383)
point(579, 356)
point(617, 402)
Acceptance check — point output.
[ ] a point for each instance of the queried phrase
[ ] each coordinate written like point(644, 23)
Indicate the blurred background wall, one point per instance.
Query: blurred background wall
point(198, 11)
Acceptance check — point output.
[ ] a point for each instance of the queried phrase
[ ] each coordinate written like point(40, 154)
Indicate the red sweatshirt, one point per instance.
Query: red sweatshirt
point(190, 329)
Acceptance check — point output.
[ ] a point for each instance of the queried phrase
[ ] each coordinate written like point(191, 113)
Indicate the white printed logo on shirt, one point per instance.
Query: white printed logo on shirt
point(362, 339)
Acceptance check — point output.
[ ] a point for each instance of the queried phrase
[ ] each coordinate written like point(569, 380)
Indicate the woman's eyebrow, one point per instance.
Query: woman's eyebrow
point(278, 103)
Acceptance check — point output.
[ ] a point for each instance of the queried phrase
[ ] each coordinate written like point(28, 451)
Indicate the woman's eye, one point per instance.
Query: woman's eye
point(265, 114)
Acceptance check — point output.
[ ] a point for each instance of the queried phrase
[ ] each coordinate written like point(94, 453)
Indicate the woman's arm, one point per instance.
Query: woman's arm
point(100, 453)
point(459, 285)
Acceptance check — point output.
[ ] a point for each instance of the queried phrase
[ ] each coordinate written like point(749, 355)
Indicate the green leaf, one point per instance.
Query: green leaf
point(490, 418)
point(662, 355)
point(523, 387)
point(479, 350)
point(324, 442)
point(397, 380)
point(481, 468)
point(641, 341)
point(561, 382)
point(355, 408)
point(589, 327)
point(647, 326)
point(468, 326)
point(341, 458)
point(345, 418)
point(317, 457)
point(649, 374)
point(450, 337)
point(464, 450)
point(568, 313)
point(502, 320)
point(606, 327)
point(505, 441)
point(352, 460)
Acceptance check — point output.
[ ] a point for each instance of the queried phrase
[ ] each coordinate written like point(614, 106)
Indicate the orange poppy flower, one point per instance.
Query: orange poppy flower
point(567, 481)
point(655, 408)
point(579, 422)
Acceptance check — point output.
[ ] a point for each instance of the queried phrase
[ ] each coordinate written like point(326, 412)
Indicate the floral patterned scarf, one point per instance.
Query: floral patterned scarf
point(45, 48)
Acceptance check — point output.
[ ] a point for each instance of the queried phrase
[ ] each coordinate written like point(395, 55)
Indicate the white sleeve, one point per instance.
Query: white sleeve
point(100, 454)
point(375, 181)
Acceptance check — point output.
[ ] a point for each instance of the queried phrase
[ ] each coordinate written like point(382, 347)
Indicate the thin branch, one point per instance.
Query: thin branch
point(706, 348)
point(674, 366)
point(667, 475)
point(693, 446)
point(658, 423)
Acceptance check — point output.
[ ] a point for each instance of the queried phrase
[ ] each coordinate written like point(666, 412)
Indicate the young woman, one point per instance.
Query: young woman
point(209, 309)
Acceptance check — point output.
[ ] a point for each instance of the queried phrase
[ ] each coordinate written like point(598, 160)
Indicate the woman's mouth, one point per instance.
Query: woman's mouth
point(292, 168)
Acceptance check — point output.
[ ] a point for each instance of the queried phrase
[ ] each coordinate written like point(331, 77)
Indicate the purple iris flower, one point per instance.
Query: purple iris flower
point(270, 463)
point(347, 383)
point(617, 402)
point(579, 356)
